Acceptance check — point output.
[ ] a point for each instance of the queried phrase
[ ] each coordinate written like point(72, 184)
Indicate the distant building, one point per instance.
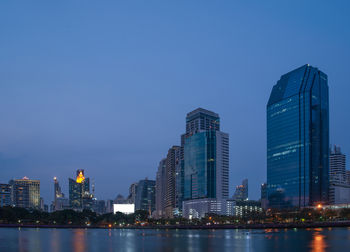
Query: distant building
point(199, 208)
point(5, 195)
point(120, 199)
point(243, 208)
point(160, 189)
point(263, 198)
point(79, 192)
point(172, 161)
point(206, 165)
point(132, 193)
point(99, 206)
point(241, 192)
point(145, 195)
point(339, 188)
point(298, 139)
point(339, 193)
point(109, 206)
point(26, 193)
point(337, 172)
point(60, 202)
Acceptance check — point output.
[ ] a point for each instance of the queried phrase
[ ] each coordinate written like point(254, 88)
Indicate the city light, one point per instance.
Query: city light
point(80, 177)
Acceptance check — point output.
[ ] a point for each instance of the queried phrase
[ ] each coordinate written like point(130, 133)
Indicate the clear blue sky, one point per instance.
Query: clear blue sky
point(105, 85)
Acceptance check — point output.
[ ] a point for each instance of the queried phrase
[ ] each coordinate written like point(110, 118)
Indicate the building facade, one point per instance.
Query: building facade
point(298, 139)
point(161, 189)
point(5, 195)
point(132, 193)
point(337, 166)
point(263, 196)
point(241, 192)
point(25, 193)
point(172, 162)
point(60, 202)
point(79, 192)
point(206, 164)
point(145, 195)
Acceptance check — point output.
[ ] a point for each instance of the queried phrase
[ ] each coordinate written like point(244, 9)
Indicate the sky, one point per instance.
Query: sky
point(105, 86)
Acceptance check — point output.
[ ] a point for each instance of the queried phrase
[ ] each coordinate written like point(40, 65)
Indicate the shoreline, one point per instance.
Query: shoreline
point(199, 227)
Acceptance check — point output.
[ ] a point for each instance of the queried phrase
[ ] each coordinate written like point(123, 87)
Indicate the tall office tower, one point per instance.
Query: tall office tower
point(161, 189)
point(298, 139)
point(5, 195)
point(26, 193)
point(241, 192)
point(132, 193)
point(337, 172)
point(206, 165)
point(145, 195)
point(79, 192)
point(172, 161)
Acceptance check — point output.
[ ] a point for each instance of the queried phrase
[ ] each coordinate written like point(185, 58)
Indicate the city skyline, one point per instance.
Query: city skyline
point(115, 111)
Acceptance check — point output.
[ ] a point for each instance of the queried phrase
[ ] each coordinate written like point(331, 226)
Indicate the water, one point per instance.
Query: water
point(79, 240)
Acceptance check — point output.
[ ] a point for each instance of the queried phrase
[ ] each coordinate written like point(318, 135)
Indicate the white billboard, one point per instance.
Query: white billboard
point(124, 208)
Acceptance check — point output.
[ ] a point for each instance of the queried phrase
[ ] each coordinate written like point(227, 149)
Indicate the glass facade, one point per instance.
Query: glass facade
point(298, 139)
point(200, 165)
point(145, 195)
point(78, 193)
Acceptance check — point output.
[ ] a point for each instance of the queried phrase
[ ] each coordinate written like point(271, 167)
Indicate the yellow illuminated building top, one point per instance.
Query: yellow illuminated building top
point(80, 177)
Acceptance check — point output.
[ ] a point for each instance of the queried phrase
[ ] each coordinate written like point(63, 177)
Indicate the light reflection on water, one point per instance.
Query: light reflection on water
point(79, 240)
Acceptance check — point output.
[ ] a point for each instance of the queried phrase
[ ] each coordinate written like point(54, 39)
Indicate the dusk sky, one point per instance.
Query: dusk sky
point(105, 85)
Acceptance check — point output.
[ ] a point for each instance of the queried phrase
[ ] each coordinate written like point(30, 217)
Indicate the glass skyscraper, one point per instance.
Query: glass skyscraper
point(298, 139)
point(79, 191)
point(205, 165)
point(145, 195)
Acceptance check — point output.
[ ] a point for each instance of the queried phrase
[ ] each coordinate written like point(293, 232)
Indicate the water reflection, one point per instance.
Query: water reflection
point(79, 240)
point(318, 244)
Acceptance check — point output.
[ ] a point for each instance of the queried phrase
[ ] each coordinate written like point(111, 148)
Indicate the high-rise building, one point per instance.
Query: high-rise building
point(79, 192)
point(5, 195)
point(172, 161)
point(337, 172)
point(161, 189)
point(339, 188)
point(263, 196)
point(25, 193)
point(145, 195)
point(132, 193)
point(206, 165)
point(59, 200)
point(298, 139)
point(241, 192)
